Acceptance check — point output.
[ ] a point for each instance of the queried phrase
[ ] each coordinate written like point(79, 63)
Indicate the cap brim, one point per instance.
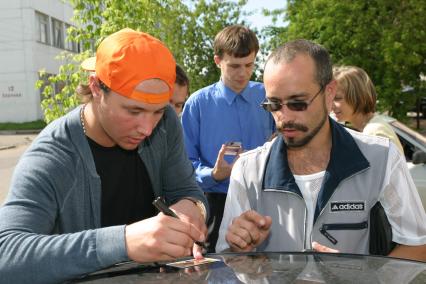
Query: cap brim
point(89, 64)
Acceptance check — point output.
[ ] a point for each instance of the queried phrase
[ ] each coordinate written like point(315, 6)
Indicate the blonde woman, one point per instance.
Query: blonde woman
point(355, 103)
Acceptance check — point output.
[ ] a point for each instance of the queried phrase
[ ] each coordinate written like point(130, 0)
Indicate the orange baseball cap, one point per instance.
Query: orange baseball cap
point(126, 58)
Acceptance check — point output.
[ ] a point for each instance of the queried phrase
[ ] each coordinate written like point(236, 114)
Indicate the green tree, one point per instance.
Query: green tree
point(186, 27)
point(208, 18)
point(56, 104)
point(386, 38)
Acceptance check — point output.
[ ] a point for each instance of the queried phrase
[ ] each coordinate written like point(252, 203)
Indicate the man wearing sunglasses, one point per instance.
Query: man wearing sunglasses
point(315, 184)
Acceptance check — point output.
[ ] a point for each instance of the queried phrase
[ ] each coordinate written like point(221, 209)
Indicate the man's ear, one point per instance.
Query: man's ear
point(217, 60)
point(330, 92)
point(94, 86)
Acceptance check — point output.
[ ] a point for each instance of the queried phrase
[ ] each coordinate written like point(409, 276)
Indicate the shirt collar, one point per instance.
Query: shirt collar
point(230, 96)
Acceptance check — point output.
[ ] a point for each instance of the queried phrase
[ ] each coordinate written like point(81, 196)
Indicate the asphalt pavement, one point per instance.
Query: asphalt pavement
point(12, 146)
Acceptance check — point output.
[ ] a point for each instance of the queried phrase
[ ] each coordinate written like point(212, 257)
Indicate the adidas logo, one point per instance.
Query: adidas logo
point(347, 206)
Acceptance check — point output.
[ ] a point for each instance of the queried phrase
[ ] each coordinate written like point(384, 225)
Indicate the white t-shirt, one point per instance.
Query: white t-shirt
point(310, 186)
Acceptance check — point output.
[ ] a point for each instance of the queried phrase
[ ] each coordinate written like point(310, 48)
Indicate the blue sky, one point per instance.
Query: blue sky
point(258, 20)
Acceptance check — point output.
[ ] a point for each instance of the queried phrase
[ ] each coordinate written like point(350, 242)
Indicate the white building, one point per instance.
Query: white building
point(32, 34)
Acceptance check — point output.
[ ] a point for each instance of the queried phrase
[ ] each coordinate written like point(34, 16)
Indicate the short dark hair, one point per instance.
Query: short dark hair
point(235, 40)
point(181, 77)
point(323, 65)
point(104, 87)
point(85, 94)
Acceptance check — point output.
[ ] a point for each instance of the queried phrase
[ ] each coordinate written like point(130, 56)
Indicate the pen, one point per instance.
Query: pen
point(160, 205)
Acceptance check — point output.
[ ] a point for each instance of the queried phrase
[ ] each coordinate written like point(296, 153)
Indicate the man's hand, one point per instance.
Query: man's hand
point(161, 238)
point(222, 169)
point(321, 248)
point(248, 231)
point(190, 213)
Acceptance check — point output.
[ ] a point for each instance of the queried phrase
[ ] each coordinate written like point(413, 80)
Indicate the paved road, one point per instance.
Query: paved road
point(11, 148)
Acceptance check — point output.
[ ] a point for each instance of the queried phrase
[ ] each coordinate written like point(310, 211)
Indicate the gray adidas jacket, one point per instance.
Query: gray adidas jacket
point(351, 187)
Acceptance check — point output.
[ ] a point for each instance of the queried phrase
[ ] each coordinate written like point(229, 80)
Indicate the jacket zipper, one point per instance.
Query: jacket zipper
point(340, 226)
point(305, 220)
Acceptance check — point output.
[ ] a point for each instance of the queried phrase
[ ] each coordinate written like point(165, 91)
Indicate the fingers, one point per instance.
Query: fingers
point(222, 151)
point(197, 251)
point(321, 248)
point(238, 240)
point(248, 231)
point(220, 160)
point(198, 222)
point(184, 235)
point(261, 221)
point(237, 156)
point(190, 213)
point(160, 238)
point(186, 228)
point(170, 251)
point(221, 170)
point(268, 223)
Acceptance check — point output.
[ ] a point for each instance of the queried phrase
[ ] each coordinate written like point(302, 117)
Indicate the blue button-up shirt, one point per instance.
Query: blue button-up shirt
point(216, 115)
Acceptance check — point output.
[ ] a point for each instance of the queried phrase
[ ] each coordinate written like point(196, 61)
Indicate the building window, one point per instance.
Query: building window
point(71, 45)
point(58, 33)
point(42, 26)
point(54, 32)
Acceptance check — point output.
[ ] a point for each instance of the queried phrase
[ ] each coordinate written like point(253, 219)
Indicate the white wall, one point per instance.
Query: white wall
point(22, 56)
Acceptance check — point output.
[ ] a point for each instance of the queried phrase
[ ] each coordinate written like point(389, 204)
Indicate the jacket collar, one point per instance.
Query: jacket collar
point(346, 159)
point(79, 138)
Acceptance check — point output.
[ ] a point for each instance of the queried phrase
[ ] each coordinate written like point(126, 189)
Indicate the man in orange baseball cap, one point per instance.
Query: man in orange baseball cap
point(82, 198)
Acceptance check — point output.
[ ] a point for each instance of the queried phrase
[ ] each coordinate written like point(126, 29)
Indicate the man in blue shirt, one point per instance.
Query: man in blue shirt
point(224, 112)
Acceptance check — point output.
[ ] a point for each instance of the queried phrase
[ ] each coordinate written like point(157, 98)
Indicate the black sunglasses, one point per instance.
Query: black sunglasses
point(272, 106)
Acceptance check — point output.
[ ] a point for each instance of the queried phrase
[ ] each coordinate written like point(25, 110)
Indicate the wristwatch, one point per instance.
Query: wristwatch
point(199, 204)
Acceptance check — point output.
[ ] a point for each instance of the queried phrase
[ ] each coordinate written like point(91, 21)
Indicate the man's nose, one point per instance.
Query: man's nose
point(241, 71)
point(285, 114)
point(145, 124)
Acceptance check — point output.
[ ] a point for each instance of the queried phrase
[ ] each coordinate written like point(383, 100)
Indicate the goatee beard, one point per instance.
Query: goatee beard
point(292, 142)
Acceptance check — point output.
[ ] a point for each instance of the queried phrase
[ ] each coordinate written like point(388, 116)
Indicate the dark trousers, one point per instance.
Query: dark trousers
point(217, 205)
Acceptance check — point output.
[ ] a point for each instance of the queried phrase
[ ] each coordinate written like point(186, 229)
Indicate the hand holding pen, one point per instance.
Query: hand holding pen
point(162, 238)
point(162, 207)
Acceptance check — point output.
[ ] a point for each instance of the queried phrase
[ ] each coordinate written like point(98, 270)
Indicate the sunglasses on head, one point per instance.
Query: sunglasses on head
point(276, 105)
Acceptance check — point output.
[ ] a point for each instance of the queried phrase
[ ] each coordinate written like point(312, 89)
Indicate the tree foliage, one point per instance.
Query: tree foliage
point(56, 104)
point(386, 38)
point(186, 27)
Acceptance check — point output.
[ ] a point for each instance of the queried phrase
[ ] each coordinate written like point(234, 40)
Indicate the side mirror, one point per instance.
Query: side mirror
point(419, 157)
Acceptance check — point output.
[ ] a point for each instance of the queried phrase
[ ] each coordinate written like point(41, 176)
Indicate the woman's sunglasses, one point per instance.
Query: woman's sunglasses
point(272, 106)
